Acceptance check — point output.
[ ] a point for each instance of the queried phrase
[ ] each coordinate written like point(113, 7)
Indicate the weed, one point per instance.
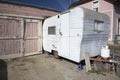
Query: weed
point(97, 72)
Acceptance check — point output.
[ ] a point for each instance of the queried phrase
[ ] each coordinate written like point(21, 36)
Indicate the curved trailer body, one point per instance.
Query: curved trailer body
point(75, 32)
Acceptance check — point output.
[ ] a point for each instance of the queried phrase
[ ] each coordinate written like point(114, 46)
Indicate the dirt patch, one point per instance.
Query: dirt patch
point(44, 67)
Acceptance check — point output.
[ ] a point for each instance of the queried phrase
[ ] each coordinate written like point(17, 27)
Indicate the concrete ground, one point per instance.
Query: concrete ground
point(44, 67)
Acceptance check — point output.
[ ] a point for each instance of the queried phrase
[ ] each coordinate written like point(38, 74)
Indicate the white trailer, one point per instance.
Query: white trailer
point(75, 32)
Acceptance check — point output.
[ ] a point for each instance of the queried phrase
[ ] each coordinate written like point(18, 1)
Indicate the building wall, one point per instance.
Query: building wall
point(87, 5)
point(107, 7)
point(25, 10)
point(115, 21)
point(21, 30)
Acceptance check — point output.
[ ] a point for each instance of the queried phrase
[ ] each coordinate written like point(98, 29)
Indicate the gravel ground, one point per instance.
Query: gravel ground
point(44, 67)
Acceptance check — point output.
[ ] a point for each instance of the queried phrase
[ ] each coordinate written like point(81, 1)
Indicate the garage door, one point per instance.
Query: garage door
point(20, 37)
point(32, 37)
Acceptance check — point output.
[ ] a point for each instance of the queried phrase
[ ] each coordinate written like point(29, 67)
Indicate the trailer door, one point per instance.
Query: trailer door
point(64, 33)
point(75, 44)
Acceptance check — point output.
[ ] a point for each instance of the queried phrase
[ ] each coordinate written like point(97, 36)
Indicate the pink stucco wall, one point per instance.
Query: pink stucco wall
point(115, 20)
point(105, 6)
point(87, 5)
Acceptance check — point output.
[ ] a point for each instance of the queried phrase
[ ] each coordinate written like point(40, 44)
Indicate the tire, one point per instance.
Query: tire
point(55, 54)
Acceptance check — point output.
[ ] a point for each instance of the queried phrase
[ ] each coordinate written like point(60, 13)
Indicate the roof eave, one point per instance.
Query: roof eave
point(79, 3)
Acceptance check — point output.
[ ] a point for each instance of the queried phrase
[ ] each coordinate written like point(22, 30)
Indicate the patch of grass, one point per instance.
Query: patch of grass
point(97, 72)
point(116, 47)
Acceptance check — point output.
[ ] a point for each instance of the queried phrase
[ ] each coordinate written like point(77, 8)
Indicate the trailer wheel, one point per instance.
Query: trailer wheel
point(55, 54)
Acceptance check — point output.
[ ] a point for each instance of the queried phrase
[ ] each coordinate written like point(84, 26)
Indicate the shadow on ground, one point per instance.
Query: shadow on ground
point(3, 70)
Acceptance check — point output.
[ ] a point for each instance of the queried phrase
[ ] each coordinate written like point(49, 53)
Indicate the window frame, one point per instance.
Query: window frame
point(95, 8)
point(50, 31)
point(97, 28)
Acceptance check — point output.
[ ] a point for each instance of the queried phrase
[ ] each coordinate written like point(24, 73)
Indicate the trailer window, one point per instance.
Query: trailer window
point(98, 26)
point(52, 30)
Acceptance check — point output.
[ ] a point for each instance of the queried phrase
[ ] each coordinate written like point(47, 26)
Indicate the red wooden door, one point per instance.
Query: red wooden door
point(10, 34)
point(32, 35)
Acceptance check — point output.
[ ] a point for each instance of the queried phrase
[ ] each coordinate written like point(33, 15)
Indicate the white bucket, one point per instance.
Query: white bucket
point(105, 52)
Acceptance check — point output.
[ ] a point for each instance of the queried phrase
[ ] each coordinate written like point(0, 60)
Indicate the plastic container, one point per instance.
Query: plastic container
point(105, 52)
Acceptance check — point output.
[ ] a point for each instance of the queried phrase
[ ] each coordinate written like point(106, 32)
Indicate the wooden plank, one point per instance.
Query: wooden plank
point(87, 61)
point(100, 59)
point(40, 36)
point(20, 16)
point(9, 56)
point(32, 53)
point(31, 38)
point(22, 37)
point(9, 38)
point(13, 37)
